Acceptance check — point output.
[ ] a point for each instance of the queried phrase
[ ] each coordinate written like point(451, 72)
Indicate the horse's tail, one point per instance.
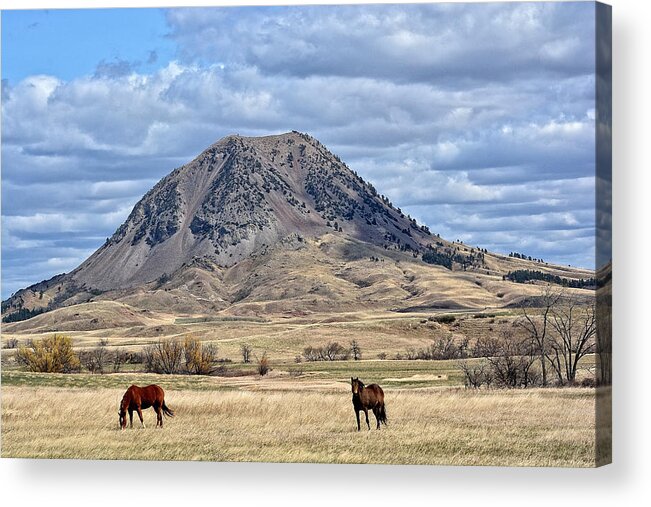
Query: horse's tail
point(167, 411)
point(382, 414)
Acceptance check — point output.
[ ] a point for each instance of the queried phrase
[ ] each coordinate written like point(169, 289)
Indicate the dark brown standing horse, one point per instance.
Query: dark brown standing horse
point(365, 397)
point(138, 398)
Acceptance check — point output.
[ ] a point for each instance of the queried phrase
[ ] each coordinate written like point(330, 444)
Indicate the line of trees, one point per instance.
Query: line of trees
point(22, 314)
point(526, 275)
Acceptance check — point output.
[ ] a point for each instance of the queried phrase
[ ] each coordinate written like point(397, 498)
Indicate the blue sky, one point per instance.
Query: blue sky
point(32, 41)
point(477, 119)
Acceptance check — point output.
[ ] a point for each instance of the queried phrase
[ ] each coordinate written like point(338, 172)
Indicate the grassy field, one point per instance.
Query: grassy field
point(300, 411)
point(282, 419)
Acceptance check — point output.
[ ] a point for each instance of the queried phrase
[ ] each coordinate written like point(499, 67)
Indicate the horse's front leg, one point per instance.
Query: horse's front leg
point(357, 415)
point(130, 418)
point(142, 422)
point(367, 423)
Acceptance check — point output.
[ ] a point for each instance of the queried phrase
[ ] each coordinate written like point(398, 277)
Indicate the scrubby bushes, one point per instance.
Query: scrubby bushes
point(199, 357)
point(175, 357)
point(96, 359)
point(12, 343)
point(100, 358)
point(52, 354)
point(446, 347)
point(443, 319)
point(506, 361)
point(263, 366)
point(332, 351)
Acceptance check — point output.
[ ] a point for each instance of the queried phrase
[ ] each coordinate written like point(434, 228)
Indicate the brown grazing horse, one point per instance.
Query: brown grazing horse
point(138, 398)
point(365, 397)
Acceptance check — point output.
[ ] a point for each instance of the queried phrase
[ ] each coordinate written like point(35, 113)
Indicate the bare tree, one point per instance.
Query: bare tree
point(575, 327)
point(165, 356)
point(119, 358)
point(310, 353)
point(199, 357)
point(511, 359)
point(12, 343)
point(476, 373)
point(95, 360)
point(246, 353)
point(537, 326)
point(355, 350)
point(263, 366)
point(333, 351)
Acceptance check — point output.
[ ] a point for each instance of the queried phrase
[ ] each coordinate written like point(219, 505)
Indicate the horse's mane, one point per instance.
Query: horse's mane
point(124, 402)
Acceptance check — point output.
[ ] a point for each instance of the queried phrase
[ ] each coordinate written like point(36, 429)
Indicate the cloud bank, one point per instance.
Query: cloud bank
point(477, 119)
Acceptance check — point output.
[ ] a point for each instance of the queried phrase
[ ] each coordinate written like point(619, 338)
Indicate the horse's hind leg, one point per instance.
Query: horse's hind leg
point(367, 423)
point(159, 415)
point(376, 413)
point(142, 422)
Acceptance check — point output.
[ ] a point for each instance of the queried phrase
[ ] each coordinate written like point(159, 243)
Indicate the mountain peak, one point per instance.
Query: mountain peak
point(239, 195)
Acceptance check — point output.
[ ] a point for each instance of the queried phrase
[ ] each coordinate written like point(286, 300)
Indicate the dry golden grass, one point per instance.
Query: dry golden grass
point(284, 339)
point(552, 427)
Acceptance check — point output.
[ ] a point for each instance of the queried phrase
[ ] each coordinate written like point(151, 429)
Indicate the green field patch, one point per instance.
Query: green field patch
point(109, 380)
point(225, 318)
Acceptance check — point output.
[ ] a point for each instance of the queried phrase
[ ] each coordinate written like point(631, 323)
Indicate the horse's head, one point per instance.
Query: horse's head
point(356, 385)
point(123, 418)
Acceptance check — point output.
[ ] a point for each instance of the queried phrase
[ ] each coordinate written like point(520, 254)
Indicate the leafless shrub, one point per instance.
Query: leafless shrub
point(166, 357)
point(263, 365)
point(12, 343)
point(246, 353)
point(511, 360)
point(382, 356)
point(199, 357)
point(411, 354)
point(355, 350)
point(119, 358)
point(476, 373)
point(95, 360)
point(442, 348)
point(332, 351)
